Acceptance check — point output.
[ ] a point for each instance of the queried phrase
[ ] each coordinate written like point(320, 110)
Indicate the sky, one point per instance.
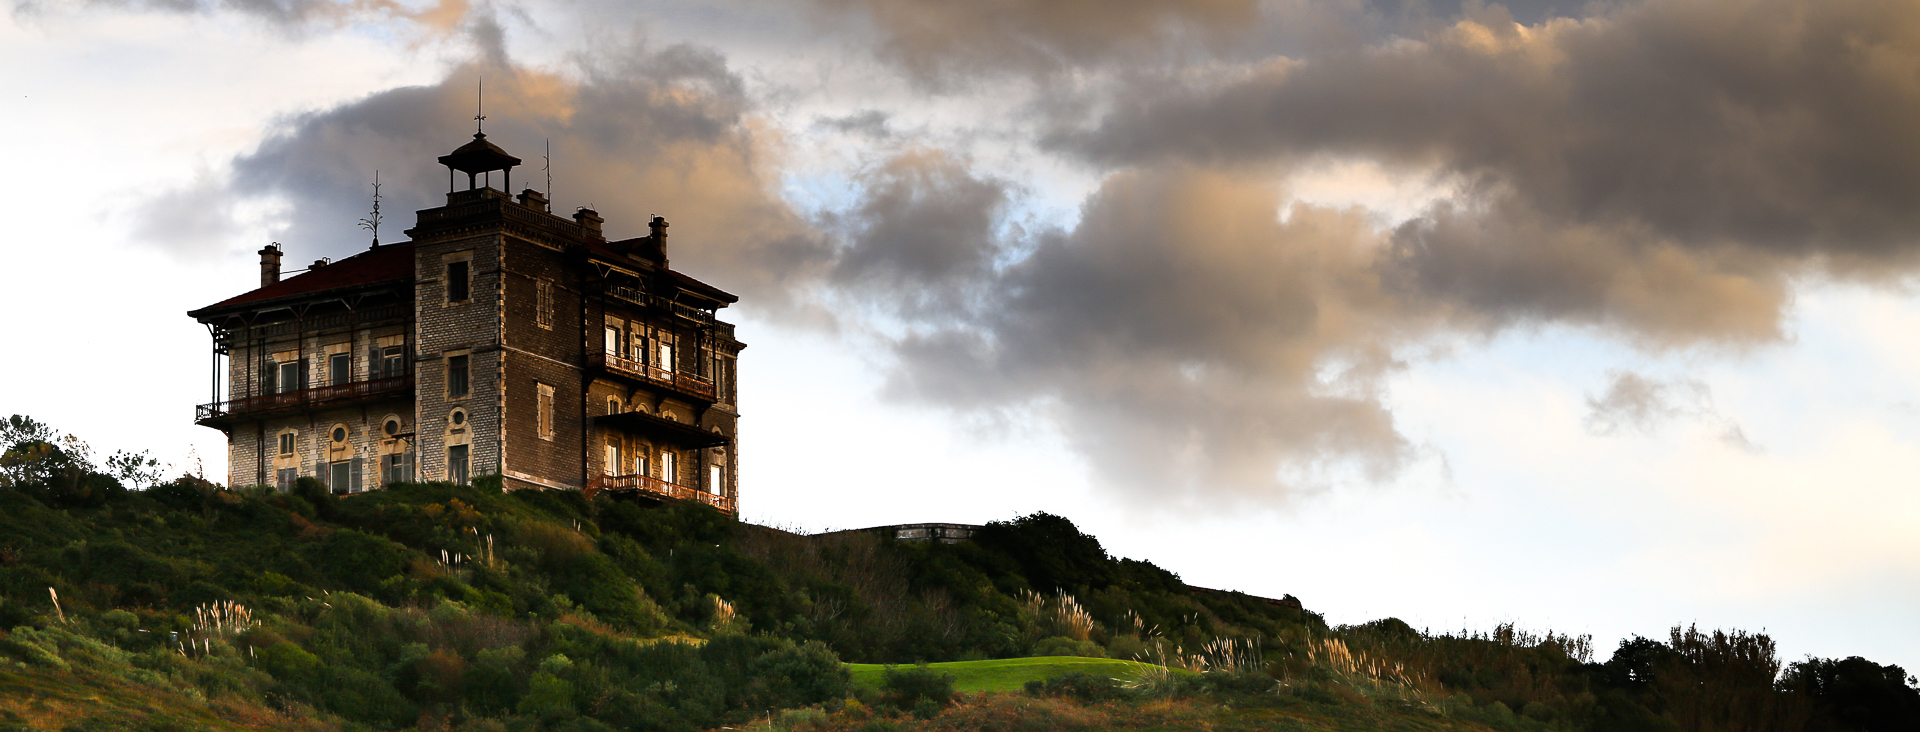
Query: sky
point(1592, 317)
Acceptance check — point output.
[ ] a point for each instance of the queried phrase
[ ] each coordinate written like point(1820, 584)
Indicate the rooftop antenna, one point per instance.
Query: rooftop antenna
point(479, 107)
point(372, 223)
point(546, 164)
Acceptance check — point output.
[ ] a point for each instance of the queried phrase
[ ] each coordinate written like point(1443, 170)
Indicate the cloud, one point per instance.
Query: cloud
point(441, 18)
point(946, 44)
point(1659, 167)
point(635, 132)
point(1186, 340)
point(1635, 402)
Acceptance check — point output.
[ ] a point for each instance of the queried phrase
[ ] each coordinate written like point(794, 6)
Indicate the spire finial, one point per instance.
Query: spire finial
point(372, 223)
point(479, 108)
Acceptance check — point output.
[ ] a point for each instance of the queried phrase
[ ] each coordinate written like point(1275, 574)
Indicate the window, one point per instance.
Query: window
point(639, 345)
point(391, 429)
point(458, 421)
point(666, 355)
point(339, 436)
point(286, 443)
point(283, 478)
point(611, 466)
point(545, 411)
point(392, 362)
point(339, 368)
point(456, 282)
point(714, 484)
point(289, 376)
point(666, 467)
point(457, 376)
point(613, 341)
point(340, 477)
point(457, 464)
point(396, 468)
point(543, 308)
point(640, 462)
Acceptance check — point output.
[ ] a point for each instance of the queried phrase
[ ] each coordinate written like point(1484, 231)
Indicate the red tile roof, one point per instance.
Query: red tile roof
point(388, 263)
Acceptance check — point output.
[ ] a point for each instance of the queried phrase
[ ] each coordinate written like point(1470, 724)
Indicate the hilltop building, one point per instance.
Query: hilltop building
point(500, 339)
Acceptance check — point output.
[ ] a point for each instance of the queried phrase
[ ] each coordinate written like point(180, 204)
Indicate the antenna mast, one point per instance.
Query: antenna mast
point(372, 222)
point(479, 107)
point(546, 164)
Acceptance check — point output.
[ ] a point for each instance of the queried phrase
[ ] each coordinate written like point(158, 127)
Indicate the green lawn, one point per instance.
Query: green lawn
point(1010, 674)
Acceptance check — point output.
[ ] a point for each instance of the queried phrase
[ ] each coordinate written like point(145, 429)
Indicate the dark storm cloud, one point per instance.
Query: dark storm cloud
point(636, 133)
point(1184, 339)
point(924, 231)
point(1714, 142)
point(944, 43)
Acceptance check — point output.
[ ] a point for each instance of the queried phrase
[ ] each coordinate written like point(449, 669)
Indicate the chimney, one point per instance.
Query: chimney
point(590, 220)
point(318, 263)
point(269, 264)
point(659, 227)
point(533, 199)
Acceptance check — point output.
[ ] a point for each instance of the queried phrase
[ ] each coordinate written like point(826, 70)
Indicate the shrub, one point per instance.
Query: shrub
point(800, 675)
point(1064, 646)
point(914, 688)
point(1085, 687)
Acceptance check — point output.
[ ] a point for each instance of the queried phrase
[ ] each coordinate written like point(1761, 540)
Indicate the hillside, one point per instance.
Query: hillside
point(432, 606)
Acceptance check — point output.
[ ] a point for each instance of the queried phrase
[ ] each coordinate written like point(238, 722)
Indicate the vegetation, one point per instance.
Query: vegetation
point(127, 602)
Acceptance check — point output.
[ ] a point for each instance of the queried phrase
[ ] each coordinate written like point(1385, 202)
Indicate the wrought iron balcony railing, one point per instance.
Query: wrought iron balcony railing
point(657, 487)
point(314, 398)
point(687, 384)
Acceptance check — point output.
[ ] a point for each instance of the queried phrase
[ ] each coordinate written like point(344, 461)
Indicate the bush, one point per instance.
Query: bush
point(1064, 646)
point(1085, 687)
point(914, 689)
point(800, 676)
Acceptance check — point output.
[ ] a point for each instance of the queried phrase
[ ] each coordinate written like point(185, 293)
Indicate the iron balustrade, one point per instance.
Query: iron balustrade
point(318, 396)
point(655, 301)
point(684, 383)
point(658, 487)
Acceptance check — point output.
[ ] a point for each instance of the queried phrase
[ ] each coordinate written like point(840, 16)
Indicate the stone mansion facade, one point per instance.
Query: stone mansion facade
point(500, 339)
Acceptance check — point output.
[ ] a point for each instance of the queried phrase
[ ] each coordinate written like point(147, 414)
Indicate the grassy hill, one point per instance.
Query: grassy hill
point(188, 606)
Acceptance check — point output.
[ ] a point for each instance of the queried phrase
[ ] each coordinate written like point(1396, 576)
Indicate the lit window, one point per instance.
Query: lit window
point(457, 376)
point(456, 282)
point(611, 466)
point(714, 483)
point(666, 356)
point(640, 462)
point(543, 311)
point(666, 467)
point(613, 341)
point(340, 369)
point(545, 410)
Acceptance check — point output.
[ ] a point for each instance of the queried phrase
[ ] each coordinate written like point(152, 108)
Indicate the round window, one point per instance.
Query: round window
point(459, 418)
point(392, 427)
point(339, 434)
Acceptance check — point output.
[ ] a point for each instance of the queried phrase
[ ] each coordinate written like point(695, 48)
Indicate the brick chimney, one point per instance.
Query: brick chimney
point(659, 227)
point(590, 221)
point(269, 264)
point(533, 199)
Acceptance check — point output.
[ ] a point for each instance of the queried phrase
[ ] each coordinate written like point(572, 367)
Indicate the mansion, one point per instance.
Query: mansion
point(499, 339)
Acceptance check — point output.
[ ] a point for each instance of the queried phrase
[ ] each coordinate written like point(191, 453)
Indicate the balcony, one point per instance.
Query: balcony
point(319, 397)
point(685, 384)
point(679, 433)
point(657, 488)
